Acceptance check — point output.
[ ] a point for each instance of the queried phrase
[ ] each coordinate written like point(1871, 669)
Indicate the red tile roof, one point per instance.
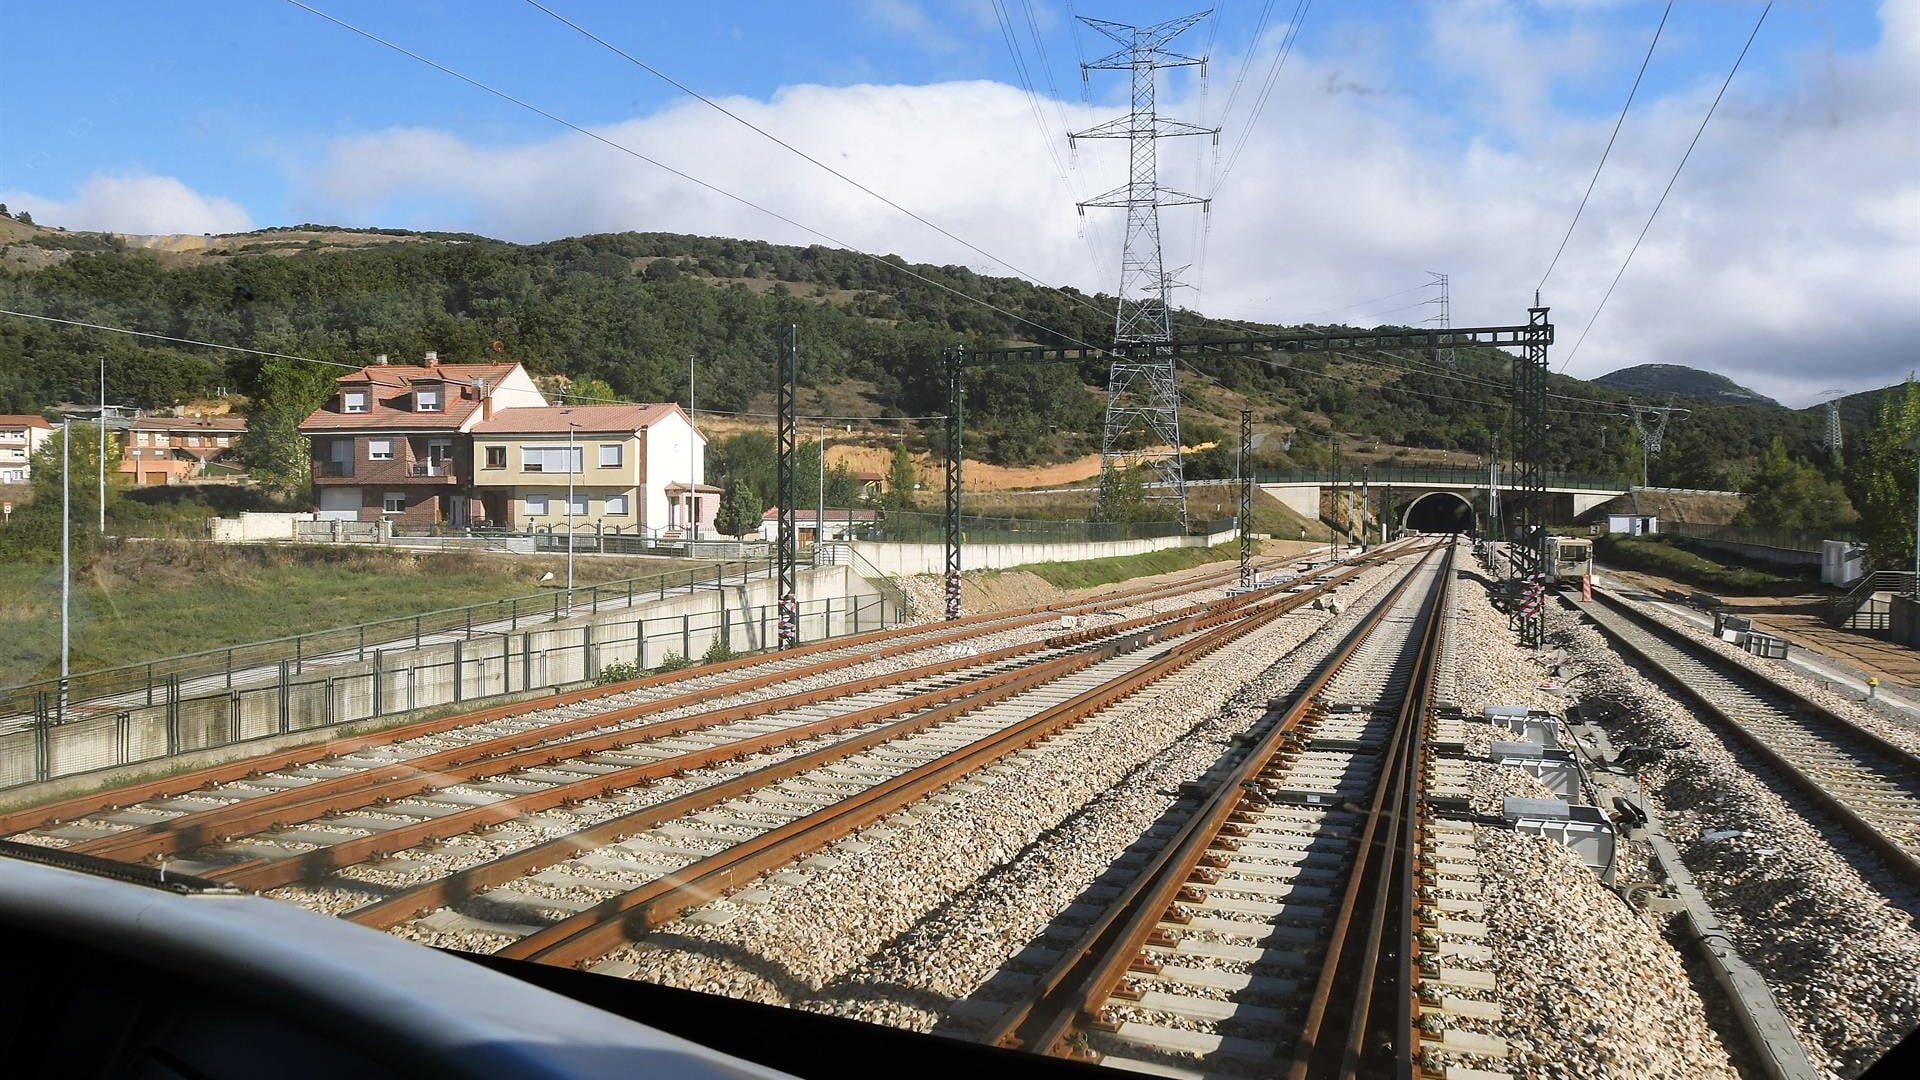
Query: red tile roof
point(390, 406)
point(189, 423)
point(20, 420)
point(591, 419)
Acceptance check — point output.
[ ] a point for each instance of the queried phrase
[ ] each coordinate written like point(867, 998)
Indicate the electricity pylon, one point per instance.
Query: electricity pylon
point(1141, 389)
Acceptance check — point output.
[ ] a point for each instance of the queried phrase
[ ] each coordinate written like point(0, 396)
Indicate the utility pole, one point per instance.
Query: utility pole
point(1140, 386)
point(571, 427)
point(693, 452)
point(1651, 421)
point(1246, 498)
point(787, 441)
point(820, 508)
point(103, 446)
point(1366, 508)
point(66, 556)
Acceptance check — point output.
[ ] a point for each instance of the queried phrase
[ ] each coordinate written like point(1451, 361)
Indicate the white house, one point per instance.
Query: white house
point(20, 437)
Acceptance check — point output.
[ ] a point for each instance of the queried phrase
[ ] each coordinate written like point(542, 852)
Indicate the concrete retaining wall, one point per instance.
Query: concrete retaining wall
point(889, 558)
point(833, 602)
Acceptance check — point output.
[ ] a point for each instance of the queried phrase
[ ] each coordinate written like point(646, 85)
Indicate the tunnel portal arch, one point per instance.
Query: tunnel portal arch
point(1438, 512)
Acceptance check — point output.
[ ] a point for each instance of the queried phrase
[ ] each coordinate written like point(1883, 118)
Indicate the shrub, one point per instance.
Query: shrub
point(717, 652)
point(673, 662)
point(624, 671)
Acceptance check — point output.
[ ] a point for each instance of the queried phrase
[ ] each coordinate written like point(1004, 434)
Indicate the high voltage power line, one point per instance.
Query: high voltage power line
point(716, 189)
point(778, 141)
point(1728, 81)
point(1609, 149)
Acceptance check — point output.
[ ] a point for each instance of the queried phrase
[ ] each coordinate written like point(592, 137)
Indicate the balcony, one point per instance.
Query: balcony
point(333, 470)
point(427, 468)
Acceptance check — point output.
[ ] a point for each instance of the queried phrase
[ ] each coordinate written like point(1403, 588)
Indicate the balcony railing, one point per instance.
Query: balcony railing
point(333, 468)
point(427, 468)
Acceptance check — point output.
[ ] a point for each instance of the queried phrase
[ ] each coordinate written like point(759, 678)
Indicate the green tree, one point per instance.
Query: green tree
point(23, 218)
point(1789, 494)
point(587, 391)
point(740, 510)
point(1123, 495)
point(35, 528)
point(274, 451)
point(1882, 478)
point(900, 479)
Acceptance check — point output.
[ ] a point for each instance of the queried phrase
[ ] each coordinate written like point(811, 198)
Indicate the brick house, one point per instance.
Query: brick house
point(633, 467)
point(20, 437)
point(394, 442)
point(174, 449)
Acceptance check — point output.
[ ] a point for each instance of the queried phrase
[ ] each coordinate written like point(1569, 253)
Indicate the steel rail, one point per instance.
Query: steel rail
point(545, 745)
point(892, 643)
point(444, 891)
point(1880, 762)
point(593, 932)
point(1387, 878)
point(1071, 992)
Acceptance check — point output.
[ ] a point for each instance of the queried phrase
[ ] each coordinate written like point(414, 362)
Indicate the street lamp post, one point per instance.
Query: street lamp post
point(820, 507)
point(571, 428)
point(66, 554)
point(103, 446)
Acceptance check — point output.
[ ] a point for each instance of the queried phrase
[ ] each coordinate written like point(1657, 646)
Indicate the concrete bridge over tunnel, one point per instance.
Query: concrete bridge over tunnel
point(1434, 500)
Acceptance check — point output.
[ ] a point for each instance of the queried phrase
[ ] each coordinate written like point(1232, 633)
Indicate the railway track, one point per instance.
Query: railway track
point(1276, 924)
point(1865, 783)
point(175, 813)
point(600, 887)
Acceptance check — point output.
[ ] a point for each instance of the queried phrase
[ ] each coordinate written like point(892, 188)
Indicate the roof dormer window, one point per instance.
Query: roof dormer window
point(426, 400)
point(353, 401)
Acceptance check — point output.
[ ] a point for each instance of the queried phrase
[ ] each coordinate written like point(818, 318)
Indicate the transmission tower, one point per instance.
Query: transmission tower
point(1651, 420)
point(1443, 353)
point(1831, 440)
point(1141, 390)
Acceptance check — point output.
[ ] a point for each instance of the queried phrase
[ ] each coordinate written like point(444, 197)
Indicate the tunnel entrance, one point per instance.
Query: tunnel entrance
point(1439, 512)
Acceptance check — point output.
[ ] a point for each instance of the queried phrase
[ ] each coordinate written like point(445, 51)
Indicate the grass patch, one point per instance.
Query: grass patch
point(138, 600)
point(1692, 568)
point(1087, 572)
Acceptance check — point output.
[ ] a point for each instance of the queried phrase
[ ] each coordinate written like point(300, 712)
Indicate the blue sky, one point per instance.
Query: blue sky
point(1398, 136)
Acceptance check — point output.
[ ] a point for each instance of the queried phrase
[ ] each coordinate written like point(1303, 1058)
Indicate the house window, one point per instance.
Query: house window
point(394, 503)
point(426, 401)
point(353, 401)
point(193, 440)
point(579, 506)
point(616, 506)
point(496, 457)
point(549, 458)
point(379, 449)
point(610, 455)
point(536, 506)
point(136, 454)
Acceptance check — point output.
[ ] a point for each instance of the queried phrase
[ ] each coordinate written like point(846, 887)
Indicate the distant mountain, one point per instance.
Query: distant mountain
point(1662, 380)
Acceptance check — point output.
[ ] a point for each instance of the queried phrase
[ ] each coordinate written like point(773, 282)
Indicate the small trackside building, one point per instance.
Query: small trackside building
point(394, 443)
point(635, 468)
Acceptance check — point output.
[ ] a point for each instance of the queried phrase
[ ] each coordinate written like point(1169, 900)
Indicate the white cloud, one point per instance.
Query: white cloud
point(136, 205)
point(1786, 257)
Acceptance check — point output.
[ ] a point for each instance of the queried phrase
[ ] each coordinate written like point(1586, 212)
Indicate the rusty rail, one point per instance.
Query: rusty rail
point(1366, 1037)
point(593, 932)
point(465, 883)
point(545, 745)
point(891, 643)
point(1071, 993)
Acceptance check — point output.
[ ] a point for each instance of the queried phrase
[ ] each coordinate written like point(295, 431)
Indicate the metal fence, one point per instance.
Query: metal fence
point(1469, 475)
point(391, 681)
point(915, 528)
point(146, 684)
